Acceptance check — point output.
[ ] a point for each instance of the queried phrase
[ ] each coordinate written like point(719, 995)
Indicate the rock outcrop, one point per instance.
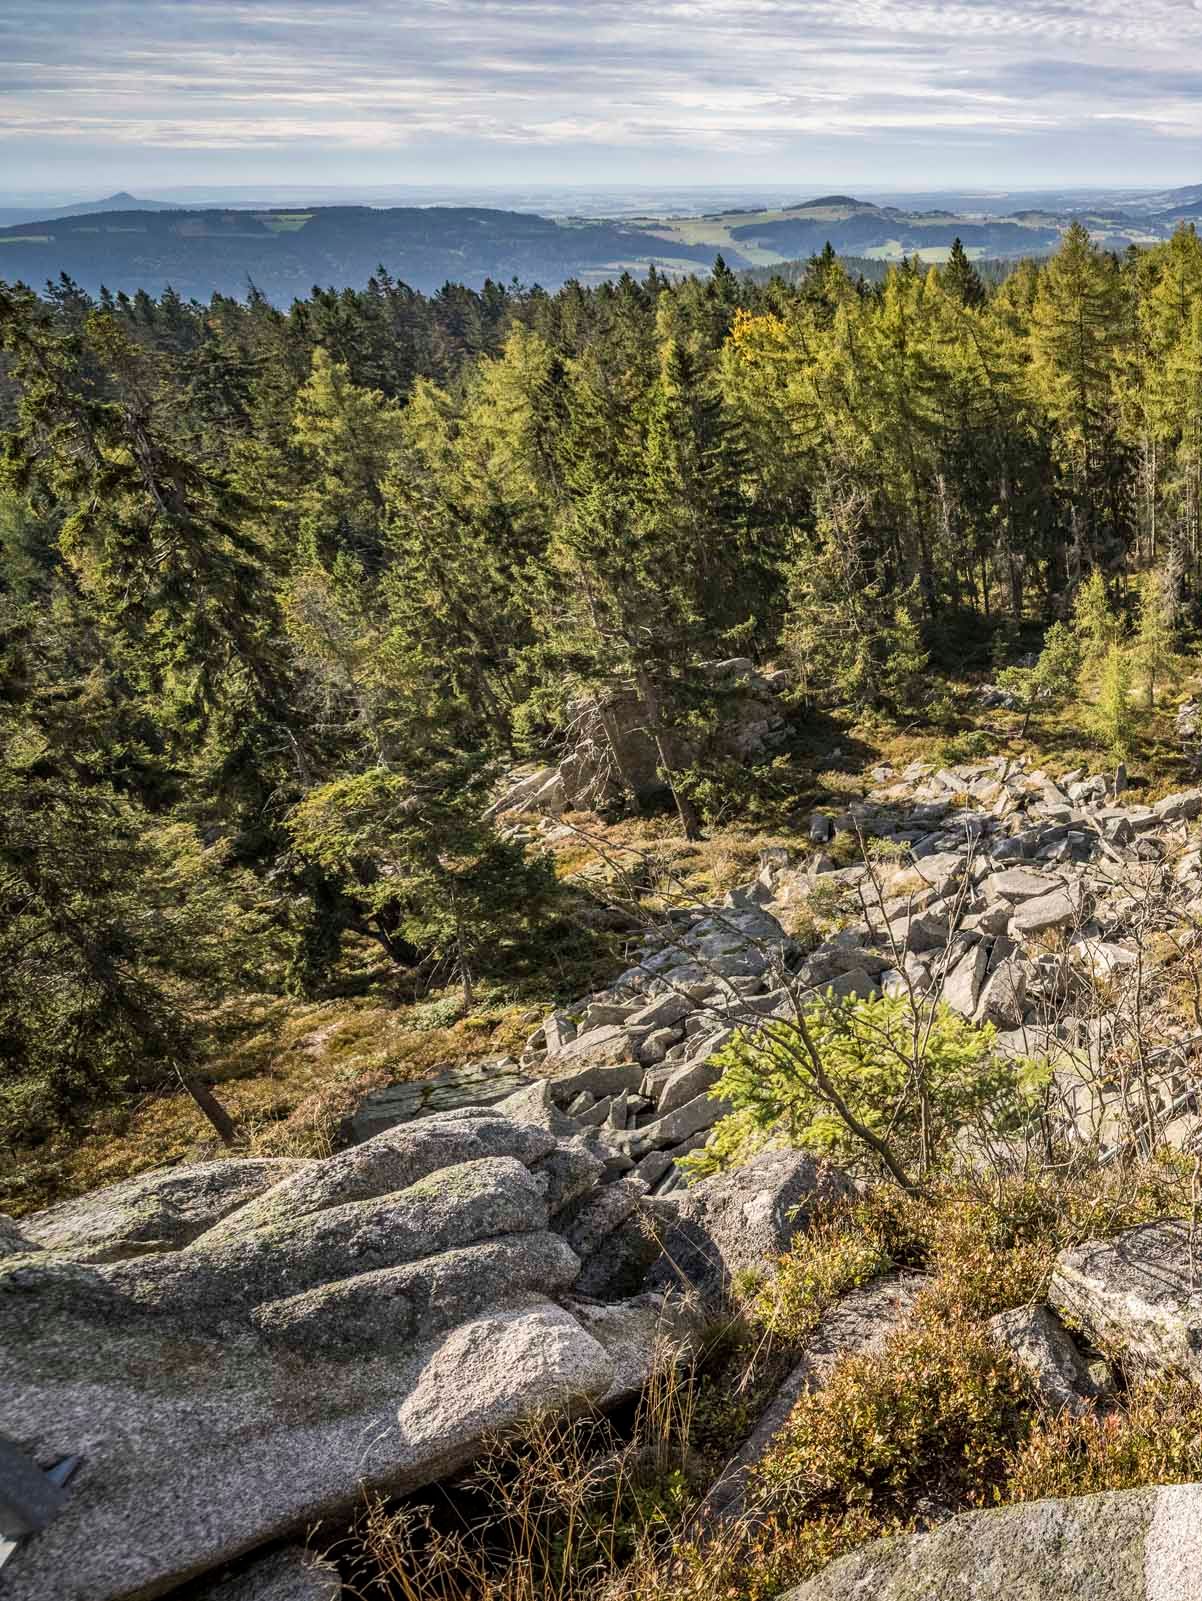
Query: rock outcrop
point(1137, 1294)
point(157, 1211)
point(859, 1324)
point(363, 1323)
point(736, 1223)
point(1040, 1342)
point(1016, 900)
point(289, 1574)
point(1140, 1545)
point(613, 754)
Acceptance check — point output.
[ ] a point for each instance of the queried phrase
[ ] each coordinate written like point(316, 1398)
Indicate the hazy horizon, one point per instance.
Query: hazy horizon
point(157, 96)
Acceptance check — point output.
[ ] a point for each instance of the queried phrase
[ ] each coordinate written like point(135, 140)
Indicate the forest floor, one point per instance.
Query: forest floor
point(289, 1071)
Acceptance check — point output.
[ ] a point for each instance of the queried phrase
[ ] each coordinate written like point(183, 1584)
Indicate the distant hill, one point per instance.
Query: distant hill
point(826, 200)
point(118, 202)
point(864, 228)
point(285, 253)
point(10, 215)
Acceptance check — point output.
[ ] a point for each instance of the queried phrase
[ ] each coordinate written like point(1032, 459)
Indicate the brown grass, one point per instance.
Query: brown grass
point(290, 1073)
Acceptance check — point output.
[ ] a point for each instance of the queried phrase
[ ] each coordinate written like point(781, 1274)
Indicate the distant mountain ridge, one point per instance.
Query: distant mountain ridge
point(285, 251)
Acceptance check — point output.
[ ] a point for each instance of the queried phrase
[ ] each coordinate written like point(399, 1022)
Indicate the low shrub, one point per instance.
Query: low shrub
point(1153, 1436)
point(925, 1426)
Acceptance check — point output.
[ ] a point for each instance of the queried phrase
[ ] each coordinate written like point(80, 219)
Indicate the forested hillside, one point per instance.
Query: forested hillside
point(282, 593)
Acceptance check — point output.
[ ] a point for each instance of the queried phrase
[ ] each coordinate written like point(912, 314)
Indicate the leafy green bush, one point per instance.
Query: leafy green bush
point(848, 1079)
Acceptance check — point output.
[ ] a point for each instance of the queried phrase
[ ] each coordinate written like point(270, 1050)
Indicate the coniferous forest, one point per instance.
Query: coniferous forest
point(283, 592)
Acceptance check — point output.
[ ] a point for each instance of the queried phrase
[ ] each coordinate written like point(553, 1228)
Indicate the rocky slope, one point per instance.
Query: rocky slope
point(230, 1373)
point(238, 1349)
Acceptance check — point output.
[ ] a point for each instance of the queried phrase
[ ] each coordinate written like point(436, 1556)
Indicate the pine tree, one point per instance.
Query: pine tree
point(1114, 718)
point(1094, 621)
point(906, 660)
point(961, 279)
point(1154, 639)
point(1076, 334)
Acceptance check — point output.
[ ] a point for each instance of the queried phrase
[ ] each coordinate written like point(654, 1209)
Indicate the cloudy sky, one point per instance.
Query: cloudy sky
point(141, 94)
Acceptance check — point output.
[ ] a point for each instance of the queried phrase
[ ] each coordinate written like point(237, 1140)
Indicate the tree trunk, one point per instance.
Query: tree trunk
point(690, 819)
point(210, 1106)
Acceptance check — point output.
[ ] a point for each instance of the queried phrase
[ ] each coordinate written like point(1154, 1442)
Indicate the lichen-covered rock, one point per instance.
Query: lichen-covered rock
point(476, 1085)
point(163, 1210)
point(1039, 1340)
point(515, 1363)
point(290, 1574)
point(395, 1305)
point(571, 1171)
point(1137, 1293)
point(12, 1241)
point(390, 1161)
point(1125, 1545)
point(197, 1448)
point(585, 1225)
point(215, 1285)
point(740, 1220)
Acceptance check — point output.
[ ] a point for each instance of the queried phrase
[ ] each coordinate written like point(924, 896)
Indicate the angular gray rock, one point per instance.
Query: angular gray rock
point(740, 1220)
point(537, 1106)
point(702, 1112)
point(1003, 999)
point(1044, 1346)
point(571, 1171)
point(595, 1079)
point(611, 1045)
point(926, 931)
point(513, 1363)
point(662, 1012)
point(12, 1241)
point(1124, 1545)
point(388, 1161)
point(290, 1574)
point(656, 1045)
point(599, 1214)
point(162, 1210)
point(962, 986)
point(685, 1084)
point(1137, 1294)
point(460, 1089)
point(1018, 884)
point(558, 1031)
point(1060, 909)
point(1180, 807)
point(393, 1306)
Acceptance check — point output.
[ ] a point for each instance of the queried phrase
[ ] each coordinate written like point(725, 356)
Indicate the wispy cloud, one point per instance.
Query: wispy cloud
point(765, 83)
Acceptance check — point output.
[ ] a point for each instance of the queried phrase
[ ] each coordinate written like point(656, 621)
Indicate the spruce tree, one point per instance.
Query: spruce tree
point(961, 279)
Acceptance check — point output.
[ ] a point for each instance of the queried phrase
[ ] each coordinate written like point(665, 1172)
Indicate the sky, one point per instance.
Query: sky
point(97, 95)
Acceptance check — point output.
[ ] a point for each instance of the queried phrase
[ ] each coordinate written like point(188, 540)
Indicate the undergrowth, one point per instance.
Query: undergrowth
point(935, 1420)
